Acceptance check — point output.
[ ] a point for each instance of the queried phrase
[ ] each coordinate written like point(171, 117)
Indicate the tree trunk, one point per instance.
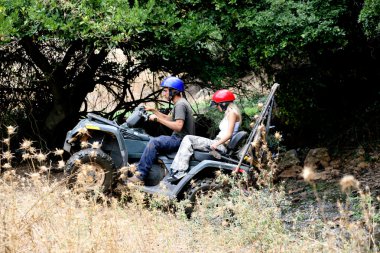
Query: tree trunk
point(67, 95)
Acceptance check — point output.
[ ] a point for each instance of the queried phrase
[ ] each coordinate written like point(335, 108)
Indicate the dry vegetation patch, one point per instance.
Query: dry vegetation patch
point(40, 214)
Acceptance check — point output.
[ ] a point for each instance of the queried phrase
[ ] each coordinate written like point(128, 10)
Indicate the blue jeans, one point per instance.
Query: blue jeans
point(160, 144)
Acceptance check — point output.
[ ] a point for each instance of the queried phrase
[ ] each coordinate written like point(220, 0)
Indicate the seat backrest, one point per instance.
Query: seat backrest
point(236, 140)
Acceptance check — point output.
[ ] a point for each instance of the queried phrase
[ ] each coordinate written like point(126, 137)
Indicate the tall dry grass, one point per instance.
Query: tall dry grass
point(46, 217)
point(39, 214)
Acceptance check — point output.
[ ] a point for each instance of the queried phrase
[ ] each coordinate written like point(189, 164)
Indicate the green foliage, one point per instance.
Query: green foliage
point(249, 106)
point(101, 21)
point(297, 25)
point(370, 18)
point(63, 45)
point(262, 32)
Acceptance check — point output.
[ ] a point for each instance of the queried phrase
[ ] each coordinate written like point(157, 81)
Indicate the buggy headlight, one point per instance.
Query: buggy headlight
point(92, 127)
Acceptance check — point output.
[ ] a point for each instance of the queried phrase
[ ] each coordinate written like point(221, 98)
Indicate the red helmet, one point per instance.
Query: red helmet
point(223, 96)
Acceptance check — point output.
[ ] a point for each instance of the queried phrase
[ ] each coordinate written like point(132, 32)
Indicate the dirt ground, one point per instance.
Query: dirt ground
point(302, 198)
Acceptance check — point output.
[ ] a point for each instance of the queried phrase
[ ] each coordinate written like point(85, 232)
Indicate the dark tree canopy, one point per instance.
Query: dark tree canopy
point(324, 53)
point(55, 52)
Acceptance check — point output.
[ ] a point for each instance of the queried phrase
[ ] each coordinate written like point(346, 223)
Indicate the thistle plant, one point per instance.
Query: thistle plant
point(356, 235)
point(262, 157)
point(59, 153)
point(350, 184)
point(308, 174)
point(36, 159)
point(7, 155)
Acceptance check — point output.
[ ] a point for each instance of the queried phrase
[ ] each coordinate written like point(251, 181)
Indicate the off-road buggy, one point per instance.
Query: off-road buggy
point(100, 148)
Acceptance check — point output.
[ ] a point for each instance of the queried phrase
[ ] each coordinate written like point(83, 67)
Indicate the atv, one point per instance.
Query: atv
point(100, 148)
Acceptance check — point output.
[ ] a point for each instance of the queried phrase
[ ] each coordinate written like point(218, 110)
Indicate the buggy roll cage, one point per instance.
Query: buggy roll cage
point(265, 114)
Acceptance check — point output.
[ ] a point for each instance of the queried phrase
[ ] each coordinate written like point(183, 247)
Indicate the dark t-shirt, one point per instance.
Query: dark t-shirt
point(183, 111)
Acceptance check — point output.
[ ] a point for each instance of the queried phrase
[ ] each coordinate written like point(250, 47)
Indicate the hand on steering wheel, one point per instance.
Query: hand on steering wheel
point(153, 117)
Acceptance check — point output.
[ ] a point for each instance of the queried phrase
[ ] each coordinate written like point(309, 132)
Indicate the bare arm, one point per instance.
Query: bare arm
point(166, 120)
point(176, 125)
point(159, 114)
point(173, 125)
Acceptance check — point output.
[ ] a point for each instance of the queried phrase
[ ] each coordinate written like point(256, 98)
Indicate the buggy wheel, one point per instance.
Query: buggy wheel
point(201, 187)
point(90, 170)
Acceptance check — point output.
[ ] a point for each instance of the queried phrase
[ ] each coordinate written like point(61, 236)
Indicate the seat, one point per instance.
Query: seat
point(232, 145)
point(203, 155)
point(235, 142)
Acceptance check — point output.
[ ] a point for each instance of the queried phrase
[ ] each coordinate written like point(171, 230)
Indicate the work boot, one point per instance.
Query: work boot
point(176, 177)
point(135, 180)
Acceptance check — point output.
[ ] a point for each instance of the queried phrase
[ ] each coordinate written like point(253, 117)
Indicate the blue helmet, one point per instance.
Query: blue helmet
point(174, 83)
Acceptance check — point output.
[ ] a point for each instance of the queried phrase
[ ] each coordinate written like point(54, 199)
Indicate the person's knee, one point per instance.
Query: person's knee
point(186, 139)
point(150, 145)
point(153, 143)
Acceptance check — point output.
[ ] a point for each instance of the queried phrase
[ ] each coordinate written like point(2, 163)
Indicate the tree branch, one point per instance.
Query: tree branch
point(35, 54)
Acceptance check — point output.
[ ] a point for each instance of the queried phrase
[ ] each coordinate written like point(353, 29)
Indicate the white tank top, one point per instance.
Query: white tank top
point(223, 127)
